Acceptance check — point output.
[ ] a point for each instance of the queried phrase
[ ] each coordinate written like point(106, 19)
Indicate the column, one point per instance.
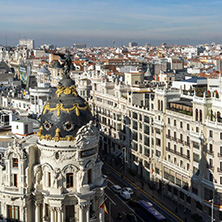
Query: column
point(37, 212)
point(59, 214)
point(87, 212)
point(52, 214)
point(81, 216)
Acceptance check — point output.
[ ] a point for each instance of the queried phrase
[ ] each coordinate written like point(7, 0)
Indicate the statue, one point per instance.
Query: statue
point(66, 64)
point(57, 178)
point(37, 175)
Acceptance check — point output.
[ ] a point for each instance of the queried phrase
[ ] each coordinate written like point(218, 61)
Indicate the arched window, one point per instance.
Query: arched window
point(218, 117)
point(161, 105)
point(196, 114)
point(201, 115)
point(158, 104)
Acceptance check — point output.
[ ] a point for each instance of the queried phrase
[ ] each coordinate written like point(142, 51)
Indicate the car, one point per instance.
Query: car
point(125, 195)
point(128, 189)
point(116, 188)
point(131, 217)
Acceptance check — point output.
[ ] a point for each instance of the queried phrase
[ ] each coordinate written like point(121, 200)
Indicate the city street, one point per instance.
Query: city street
point(117, 204)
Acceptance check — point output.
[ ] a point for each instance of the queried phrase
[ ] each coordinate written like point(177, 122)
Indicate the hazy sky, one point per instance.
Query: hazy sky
point(99, 22)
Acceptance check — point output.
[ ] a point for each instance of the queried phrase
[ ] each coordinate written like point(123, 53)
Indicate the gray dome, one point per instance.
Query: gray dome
point(64, 114)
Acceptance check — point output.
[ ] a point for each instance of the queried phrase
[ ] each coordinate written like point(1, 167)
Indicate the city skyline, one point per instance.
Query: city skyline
point(98, 23)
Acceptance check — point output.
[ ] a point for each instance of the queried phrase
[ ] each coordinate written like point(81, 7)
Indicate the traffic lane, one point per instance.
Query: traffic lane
point(141, 194)
point(115, 179)
point(120, 205)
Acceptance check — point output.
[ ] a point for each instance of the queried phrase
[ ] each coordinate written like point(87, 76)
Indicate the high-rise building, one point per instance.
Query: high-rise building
point(29, 43)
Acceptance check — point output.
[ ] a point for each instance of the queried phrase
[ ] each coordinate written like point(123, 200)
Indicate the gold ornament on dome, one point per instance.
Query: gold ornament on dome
point(57, 137)
point(66, 90)
point(60, 107)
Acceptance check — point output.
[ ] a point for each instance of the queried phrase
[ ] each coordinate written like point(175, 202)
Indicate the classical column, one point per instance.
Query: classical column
point(87, 212)
point(59, 211)
point(37, 212)
point(81, 216)
point(52, 214)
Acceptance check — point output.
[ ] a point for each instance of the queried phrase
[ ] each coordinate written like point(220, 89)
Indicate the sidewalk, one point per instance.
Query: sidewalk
point(154, 195)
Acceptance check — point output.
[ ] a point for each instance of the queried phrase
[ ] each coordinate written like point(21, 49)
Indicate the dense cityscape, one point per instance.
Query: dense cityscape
point(78, 124)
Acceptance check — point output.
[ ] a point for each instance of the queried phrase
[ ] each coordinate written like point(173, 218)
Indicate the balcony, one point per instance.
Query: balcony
point(187, 143)
point(178, 153)
point(219, 169)
point(210, 152)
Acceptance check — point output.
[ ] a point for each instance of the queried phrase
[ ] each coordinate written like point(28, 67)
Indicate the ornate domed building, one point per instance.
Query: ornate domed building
point(58, 177)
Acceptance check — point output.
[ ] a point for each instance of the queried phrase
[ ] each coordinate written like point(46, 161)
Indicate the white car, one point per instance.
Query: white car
point(116, 188)
point(125, 195)
point(128, 189)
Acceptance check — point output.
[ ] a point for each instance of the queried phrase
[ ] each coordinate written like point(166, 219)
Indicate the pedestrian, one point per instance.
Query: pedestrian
point(142, 184)
point(176, 210)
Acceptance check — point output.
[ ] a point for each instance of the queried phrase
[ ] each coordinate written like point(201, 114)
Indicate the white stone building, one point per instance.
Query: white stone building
point(55, 175)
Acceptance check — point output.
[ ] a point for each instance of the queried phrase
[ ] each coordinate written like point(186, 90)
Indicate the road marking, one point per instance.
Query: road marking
point(146, 194)
point(126, 205)
point(111, 182)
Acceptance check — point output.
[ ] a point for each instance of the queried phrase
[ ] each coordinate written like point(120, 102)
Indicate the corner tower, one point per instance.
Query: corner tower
point(68, 184)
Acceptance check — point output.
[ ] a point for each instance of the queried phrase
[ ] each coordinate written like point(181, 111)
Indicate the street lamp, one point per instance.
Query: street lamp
point(125, 159)
point(212, 210)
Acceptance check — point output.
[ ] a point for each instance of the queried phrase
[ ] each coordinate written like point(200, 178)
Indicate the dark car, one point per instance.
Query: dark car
point(131, 217)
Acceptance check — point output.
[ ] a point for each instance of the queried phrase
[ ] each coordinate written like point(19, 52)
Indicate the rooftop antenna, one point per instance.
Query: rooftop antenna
point(114, 44)
point(6, 39)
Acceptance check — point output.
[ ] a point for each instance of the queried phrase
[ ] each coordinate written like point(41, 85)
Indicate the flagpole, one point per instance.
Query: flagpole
point(110, 211)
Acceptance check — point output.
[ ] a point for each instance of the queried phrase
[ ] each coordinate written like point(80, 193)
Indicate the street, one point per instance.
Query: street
point(115, 204)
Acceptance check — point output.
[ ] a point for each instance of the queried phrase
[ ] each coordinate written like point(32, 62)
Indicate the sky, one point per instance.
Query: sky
point(100, 22)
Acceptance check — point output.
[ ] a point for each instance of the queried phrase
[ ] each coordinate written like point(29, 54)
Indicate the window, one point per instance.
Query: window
point(188, 127)
point(178, 182)
point(211, 133)
point(15, 162)
point(135, 125)
point(146, 129)
point(168, 133)
point(13, 212)
point(49, 179)
point(188, 199)
point(169, 145)
point(134, 115)
point(197, 129)
point(70, 213)
point(198, 205)
point(181, 124)
point(175, 123)
point(89, 176)
point(188, 166)
point(188, 140)
point(158, 142)
point(196, 114)
point(211, 148)
point(146, 141)
point(146, 119)
point(181, 137)
point(221, 136)
point(175, 135)
point(168, 120)
point(69, 180)
point(196, 157)
point(15, 180)
point(181, 195)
